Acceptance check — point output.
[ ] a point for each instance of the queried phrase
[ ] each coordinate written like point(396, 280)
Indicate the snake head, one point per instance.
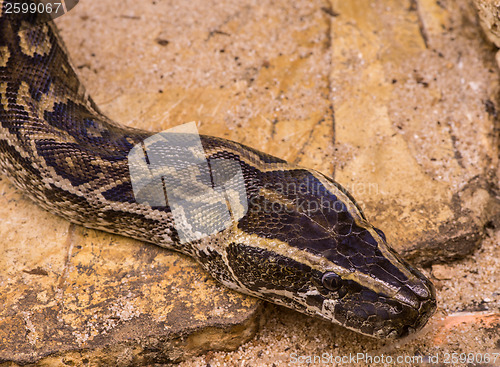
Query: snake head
point(387, 298)
point(312, 250)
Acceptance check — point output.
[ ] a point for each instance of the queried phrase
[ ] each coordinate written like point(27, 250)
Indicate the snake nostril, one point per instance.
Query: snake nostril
point(426, 310)
point(428, 307)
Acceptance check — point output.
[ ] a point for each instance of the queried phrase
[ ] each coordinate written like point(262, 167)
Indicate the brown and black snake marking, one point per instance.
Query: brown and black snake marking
point(303, 242)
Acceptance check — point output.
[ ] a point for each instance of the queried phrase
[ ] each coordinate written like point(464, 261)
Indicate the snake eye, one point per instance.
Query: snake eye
point(331, 281)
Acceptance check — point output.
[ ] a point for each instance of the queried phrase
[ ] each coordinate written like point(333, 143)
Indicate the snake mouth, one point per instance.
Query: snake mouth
point(382, 316)
point(395, 322)
point(417, 303)
point(426, 308)
point(422, 292)
point(412, 316)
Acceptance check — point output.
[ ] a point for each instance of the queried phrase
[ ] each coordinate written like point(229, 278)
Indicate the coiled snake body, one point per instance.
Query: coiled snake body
point(324, 259)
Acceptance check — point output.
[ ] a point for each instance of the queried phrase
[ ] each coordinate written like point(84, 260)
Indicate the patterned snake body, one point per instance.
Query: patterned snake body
point(322, 260)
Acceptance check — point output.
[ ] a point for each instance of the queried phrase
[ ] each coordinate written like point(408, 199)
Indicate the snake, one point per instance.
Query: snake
point(256, 223)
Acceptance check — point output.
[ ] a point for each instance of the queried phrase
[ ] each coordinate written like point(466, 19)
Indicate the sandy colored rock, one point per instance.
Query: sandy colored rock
point(412, 122)
point(65, 289)
point(397, 100)
point(489, 16)
point(442, 272)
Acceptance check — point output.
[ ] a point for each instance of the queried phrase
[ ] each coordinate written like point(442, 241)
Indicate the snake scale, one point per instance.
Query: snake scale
point(323, 260)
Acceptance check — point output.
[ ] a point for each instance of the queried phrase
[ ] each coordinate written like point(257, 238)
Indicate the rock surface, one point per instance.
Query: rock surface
point(489, 16)
point(415, 124)
point(397, 100)
point(88, 295)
